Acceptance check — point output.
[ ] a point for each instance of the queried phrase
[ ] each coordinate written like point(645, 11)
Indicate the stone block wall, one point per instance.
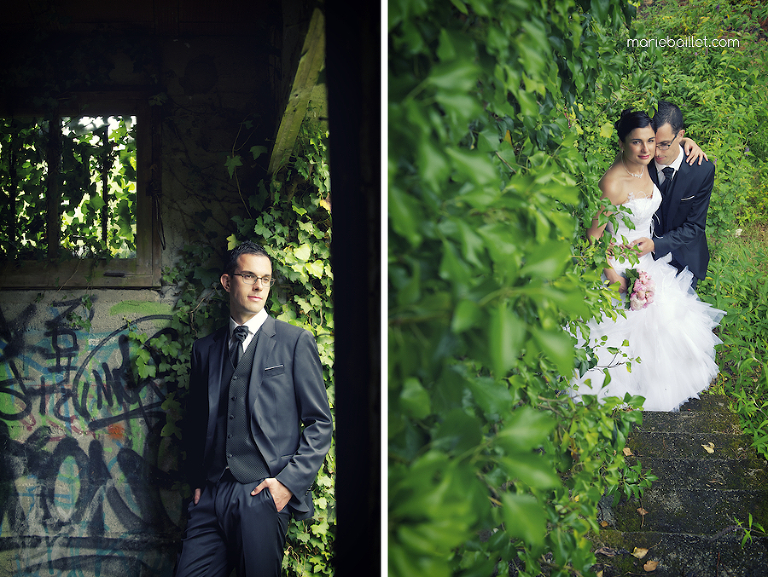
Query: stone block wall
point(88, 485)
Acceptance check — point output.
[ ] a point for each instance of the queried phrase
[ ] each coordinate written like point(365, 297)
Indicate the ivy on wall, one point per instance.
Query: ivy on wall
point(290, 216)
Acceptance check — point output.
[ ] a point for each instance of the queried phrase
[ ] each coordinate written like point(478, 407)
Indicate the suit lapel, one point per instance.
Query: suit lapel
point(263, 349)
point(652, 172)
point(216, 355)
point(676, 190)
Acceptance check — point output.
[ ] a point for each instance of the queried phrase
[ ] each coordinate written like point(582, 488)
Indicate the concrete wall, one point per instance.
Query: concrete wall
point(88, 486)
point(87, 482)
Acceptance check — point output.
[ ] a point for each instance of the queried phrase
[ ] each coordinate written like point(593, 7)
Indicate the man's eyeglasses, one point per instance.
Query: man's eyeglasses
point(666, 145)
point(252, 278)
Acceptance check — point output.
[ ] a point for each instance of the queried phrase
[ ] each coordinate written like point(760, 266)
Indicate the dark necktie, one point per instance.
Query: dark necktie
point(236, 350)
point(669, 172)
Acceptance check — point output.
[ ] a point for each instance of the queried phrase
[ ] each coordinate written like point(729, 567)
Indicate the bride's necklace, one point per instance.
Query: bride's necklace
point(642, 170)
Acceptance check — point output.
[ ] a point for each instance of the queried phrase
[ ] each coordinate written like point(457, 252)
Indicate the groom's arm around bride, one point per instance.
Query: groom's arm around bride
point(681, 220)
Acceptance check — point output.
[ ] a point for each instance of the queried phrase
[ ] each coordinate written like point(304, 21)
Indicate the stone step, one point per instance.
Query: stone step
point(717, 403)
point(709, 474)
point(695, 511)
point(690, 445)
point(690, 422)
point(683, 555)
point(692, 512)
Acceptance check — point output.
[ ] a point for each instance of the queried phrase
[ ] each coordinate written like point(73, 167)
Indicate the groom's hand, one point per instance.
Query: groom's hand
point(280, 493)
point(643, 245)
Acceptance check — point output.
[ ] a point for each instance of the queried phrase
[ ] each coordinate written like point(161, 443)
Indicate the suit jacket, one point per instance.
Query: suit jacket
point(681, 220)
point(286, 390)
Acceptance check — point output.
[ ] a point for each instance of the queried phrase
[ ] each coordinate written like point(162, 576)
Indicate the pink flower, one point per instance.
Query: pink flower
point(636, 303)
point(642, 291)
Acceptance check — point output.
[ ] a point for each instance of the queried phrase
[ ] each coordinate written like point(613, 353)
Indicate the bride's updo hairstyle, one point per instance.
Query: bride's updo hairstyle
point(629, 120)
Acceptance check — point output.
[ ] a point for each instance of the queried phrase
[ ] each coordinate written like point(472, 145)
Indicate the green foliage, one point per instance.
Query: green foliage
point(723, 93)
point(490, 191)
point(293, 223)
point(634, 481)
point(736, 284)
point(79, 321)
point(92, 151)
point(752, 527)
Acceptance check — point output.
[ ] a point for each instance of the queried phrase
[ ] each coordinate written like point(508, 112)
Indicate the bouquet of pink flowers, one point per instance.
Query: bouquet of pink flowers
point(640, 288)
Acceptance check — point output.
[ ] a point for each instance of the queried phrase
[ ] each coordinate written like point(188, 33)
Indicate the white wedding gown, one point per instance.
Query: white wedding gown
point(672, 336)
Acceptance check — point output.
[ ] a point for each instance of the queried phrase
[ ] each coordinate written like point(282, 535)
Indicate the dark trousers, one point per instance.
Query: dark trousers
point(680, 268)
point(229, 528)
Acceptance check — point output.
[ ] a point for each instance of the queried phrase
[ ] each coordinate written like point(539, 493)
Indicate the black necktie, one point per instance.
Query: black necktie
point(236, 349)
point(668, 174)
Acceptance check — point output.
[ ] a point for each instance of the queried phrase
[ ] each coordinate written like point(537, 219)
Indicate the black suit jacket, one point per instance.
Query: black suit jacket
point(681, 221)
point(286, 390)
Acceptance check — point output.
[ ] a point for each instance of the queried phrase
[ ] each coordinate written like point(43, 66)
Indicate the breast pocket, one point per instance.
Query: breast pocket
point(273, 371)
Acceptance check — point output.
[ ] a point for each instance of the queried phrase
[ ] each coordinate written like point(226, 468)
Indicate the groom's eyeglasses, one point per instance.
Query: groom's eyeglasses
point(666, 145)
point(252, 278)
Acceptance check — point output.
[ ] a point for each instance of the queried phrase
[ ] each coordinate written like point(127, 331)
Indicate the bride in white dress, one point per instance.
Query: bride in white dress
point(672, 336)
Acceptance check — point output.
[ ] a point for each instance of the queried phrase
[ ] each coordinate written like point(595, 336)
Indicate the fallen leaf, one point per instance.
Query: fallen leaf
point(599, 574)
point(651, 566)
point(607, 551)
point(709, 448)
point(603, 524)
point(639, 553)
point(627, 452)
point(642, 511)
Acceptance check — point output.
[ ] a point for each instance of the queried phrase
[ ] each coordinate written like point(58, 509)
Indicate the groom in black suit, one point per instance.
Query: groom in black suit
point(253, 384)
point(681, 220)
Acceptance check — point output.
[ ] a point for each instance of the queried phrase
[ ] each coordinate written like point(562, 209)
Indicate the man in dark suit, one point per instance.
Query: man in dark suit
point(686, 188)
point(252, 386)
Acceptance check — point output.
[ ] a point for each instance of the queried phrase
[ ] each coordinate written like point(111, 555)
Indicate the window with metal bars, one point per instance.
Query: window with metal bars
point(68, 185)
point(74, 209)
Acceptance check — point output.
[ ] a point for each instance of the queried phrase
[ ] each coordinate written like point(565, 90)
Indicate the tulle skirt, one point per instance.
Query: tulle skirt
point(672, 337)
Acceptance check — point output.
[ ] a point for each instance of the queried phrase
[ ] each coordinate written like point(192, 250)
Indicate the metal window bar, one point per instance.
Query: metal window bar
point(52, 192)
point(106, 167)
point(13, 187)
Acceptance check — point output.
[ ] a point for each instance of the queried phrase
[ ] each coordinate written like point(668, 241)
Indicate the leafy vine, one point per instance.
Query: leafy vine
point(293, 222)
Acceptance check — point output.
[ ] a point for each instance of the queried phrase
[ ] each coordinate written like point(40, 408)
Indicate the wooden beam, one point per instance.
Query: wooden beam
point(311, 63)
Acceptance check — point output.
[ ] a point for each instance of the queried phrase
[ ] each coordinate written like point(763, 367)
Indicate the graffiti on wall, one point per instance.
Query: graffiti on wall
point(86, 481)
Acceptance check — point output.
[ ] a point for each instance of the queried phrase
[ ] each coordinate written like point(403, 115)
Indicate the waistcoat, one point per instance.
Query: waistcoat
point(234, 448)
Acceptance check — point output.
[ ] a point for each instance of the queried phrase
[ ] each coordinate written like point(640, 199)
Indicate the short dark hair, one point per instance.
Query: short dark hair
point(629, 120)
point(668, 113)
point(246, 247)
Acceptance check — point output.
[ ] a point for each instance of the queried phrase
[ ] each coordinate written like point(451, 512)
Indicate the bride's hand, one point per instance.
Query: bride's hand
point(693, 151)
point(614, 277)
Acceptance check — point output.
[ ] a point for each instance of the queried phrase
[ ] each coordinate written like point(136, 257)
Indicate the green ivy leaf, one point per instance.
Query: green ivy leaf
point(316, 268)
point(414, 400)
point(232, 163)
point(257, 151)
point(303, 252)
point(526, 429)
point(524, 518)
point(506, 335)
point(532, 469)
